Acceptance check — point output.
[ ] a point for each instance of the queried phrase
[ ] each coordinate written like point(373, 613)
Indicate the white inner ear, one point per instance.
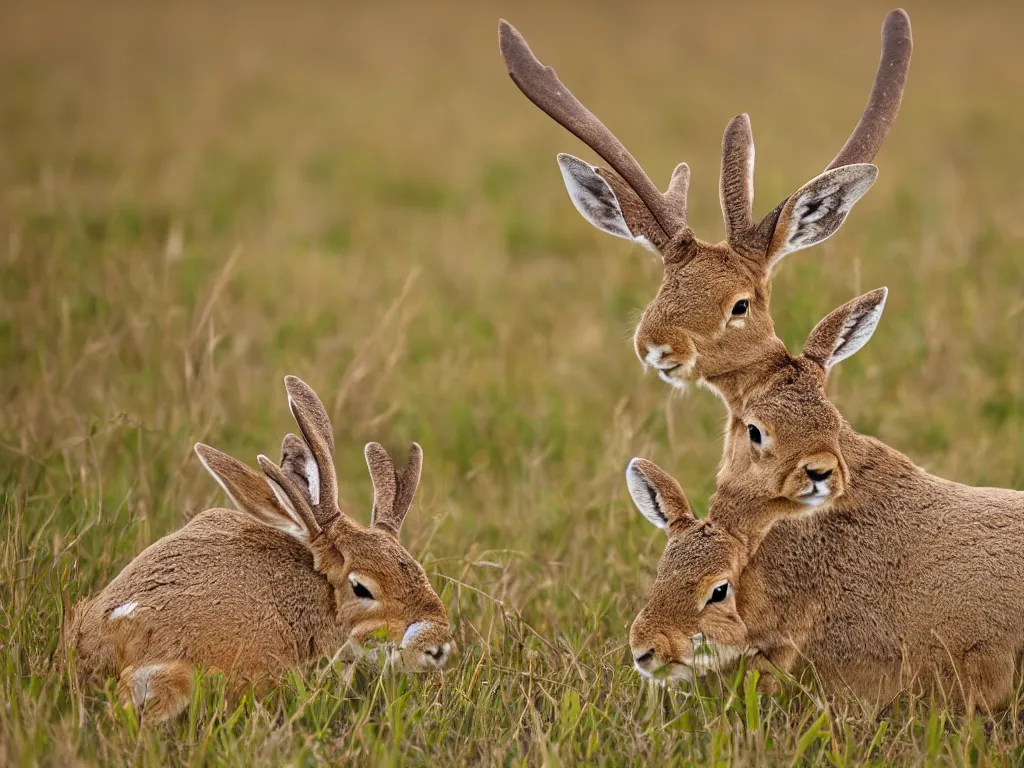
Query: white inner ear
point(595, 199)
point(312, 472)
point(221, 483)
point(857, 330)
point(293, 526)
point(645, 497)
point(812, 218)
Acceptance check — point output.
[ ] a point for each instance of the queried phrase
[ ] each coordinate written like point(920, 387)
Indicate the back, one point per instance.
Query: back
point(224, 591)
point(884, 584)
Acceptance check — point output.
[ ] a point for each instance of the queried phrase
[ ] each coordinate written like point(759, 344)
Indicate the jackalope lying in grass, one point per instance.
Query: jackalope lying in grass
point(710, 318)
point(287, 578)
point(831, 548)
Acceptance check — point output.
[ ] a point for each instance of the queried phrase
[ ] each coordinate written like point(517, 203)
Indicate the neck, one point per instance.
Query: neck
point(873, 468)
point(747, 520)
point(734, 384)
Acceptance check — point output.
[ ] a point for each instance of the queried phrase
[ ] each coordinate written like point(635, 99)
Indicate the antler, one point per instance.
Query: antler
point(393, 489)
point(886, 94)
point(541, 85)
point(862, 146)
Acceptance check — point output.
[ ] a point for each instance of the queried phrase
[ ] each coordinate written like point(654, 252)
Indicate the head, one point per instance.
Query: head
point(380, 591)
point(690, 625)
point(710, 316)
point(784, 441)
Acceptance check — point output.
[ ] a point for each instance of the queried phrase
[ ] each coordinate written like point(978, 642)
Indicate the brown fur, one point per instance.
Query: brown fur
point(261, 590)
point(896, 581)
point(690, 330)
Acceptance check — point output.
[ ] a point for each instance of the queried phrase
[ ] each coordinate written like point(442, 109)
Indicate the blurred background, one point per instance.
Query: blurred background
point(196, 199)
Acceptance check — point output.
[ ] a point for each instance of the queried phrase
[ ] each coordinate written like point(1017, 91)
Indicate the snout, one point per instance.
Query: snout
point(657, 661)
point(659, 652)
point(817, 480)
point(674, 362)
point(426, 646)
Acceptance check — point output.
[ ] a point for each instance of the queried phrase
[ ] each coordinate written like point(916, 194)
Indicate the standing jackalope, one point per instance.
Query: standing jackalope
point(898, 581)
point(710, 317)
point(285, 579)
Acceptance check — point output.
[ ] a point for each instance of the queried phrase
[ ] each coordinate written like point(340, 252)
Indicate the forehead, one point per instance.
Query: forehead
point(716, 268)
point(795, 398)
point(377, 554)
point(714, 273)
point(699, 552)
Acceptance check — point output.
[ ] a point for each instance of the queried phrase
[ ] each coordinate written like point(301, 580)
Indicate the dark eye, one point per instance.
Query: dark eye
point(361, 592)
point(755, 434)
point(719, 594)
point(740, 307)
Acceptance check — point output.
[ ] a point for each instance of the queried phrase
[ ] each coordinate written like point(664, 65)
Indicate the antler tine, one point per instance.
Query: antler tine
point(886, 94)
point(541, 85)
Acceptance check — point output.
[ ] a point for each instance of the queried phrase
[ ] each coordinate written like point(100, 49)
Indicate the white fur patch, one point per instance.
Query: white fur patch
point(655, 353)
point(717, 658)
point(313, 478)
point(140, 683)
point(415, 629)
point(750, 172)
point(122, 610)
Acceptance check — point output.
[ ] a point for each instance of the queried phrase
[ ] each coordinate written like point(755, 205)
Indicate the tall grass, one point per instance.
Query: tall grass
point(198, 199)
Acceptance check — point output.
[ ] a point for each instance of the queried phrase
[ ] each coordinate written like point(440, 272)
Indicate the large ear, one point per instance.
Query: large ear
point(247, 490)
point(815, 211)
point(607, 202)
point(292, 499)
point(845, 330)
point(298, 462)
point(657, 495)
point(315, 425)
point(393, 490)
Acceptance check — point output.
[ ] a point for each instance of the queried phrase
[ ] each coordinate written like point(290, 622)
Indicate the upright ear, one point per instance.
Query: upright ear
point(315, 425)
point(393, 490)
point(298, 462)
point(657, 495)
point(815, 211)
point(292, 499)
point(607, 202)
point(248, 491)
point(845, 330)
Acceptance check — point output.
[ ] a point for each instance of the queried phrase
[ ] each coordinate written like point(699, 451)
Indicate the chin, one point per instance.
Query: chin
point(809, 505)
point(669, 674)
point(678, 384)
point(719, 659)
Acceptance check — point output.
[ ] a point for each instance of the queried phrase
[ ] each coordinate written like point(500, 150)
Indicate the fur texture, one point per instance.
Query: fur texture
point(257, 591)
point(839, 552)
point(711, 313)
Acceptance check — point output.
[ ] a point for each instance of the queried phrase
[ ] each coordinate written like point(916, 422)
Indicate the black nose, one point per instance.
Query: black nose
point(436, 653)
point(818, 476)
point(643, 658)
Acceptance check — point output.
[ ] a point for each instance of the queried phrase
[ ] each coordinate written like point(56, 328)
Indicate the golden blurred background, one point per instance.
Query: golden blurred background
point(198, 198)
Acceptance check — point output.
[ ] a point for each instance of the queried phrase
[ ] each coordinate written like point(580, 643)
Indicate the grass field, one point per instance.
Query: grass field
point(197, 199)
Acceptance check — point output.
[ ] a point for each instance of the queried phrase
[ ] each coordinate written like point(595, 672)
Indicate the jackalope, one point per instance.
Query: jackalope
point(285, 579)
point(710, 318)
point(826, 547)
